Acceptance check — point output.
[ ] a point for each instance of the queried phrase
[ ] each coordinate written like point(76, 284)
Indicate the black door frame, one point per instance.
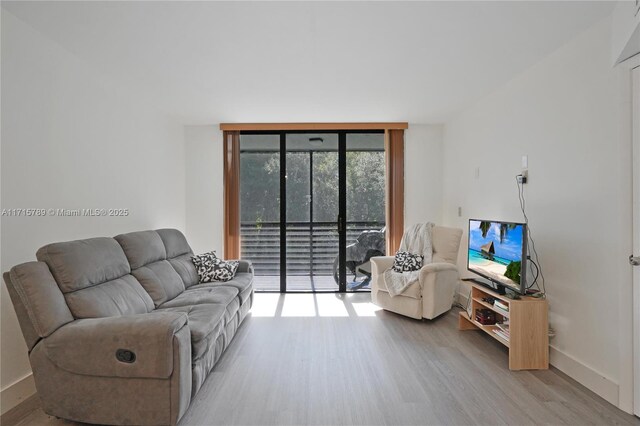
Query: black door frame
point(342, 201)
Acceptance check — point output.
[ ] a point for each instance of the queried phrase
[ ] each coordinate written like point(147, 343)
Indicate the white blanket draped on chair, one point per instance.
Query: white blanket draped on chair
point(416, 240)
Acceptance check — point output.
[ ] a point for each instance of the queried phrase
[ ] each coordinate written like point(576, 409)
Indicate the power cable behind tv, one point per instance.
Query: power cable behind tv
point(535, 262)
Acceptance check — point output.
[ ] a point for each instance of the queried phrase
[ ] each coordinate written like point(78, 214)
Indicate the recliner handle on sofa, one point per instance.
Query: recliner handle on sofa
point(125, 355)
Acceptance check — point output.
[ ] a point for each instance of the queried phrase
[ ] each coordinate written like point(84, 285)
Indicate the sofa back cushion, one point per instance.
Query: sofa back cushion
point(179, 255)
point(446, 243)
point(94, 276)
point(38, 301)
point(147, 256)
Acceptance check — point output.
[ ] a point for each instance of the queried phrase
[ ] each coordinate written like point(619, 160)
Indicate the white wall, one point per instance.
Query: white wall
point(564, 114)
point(205, 188)
point(423, 174)
point(72, 139)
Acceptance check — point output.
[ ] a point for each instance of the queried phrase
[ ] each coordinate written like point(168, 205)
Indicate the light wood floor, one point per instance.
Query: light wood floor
point(336, 359)
point(296, 283)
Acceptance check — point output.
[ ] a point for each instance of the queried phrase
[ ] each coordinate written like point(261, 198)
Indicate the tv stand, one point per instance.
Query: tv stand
point(528, 341)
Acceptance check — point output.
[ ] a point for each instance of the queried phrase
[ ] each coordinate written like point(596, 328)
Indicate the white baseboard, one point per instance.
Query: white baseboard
point(585, 375)
point(581, 373)
point(17, 392)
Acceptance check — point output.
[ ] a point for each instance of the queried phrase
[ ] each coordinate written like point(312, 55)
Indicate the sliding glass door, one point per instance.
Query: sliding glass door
point(312, 208)
point(365, 206)
point(260, 209)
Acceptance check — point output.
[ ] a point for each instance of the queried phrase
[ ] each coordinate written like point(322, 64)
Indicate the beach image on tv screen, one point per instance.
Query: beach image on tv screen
point(495, 251)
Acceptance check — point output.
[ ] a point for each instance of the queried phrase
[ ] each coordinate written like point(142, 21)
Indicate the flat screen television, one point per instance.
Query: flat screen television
point(498, 252)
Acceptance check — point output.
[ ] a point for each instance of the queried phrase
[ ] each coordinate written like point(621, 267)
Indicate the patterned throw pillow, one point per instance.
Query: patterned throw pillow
point(407, 262)
point(211, 268)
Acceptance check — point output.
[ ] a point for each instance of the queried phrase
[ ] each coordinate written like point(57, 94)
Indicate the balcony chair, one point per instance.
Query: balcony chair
point(433, 293)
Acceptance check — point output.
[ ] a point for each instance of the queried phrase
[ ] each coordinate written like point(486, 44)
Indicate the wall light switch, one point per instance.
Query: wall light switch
point(477, 173)
point(525, 162)
point(459, 211)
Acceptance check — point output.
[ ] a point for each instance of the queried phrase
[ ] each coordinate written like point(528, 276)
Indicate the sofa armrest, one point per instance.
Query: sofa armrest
point(89, 346)
point(438, 274)
point(437, 267)
point(379, 264)
point(244, 266)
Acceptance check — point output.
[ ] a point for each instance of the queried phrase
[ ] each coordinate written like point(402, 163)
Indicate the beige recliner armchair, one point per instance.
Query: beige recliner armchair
point(433, 294)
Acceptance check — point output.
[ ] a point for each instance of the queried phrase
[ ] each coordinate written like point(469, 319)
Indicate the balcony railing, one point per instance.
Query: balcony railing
point(311, 247)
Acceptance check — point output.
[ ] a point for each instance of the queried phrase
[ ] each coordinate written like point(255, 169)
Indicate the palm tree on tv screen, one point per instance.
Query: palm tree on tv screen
point(504, 229)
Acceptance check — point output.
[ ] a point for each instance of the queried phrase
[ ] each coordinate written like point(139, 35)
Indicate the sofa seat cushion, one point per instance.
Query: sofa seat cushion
point(243, 282)
point(414, 290)
point(222, 295)
point(232, 304)
point(206, 322)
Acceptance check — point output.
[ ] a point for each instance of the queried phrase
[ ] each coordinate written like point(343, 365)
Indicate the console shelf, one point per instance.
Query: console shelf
point(528, 327)
point(491, 307)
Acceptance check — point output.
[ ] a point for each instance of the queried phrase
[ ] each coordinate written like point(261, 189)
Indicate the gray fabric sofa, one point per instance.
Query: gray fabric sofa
point(118, 329)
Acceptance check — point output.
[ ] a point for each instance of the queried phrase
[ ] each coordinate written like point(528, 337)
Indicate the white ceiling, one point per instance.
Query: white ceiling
point(207, 62)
